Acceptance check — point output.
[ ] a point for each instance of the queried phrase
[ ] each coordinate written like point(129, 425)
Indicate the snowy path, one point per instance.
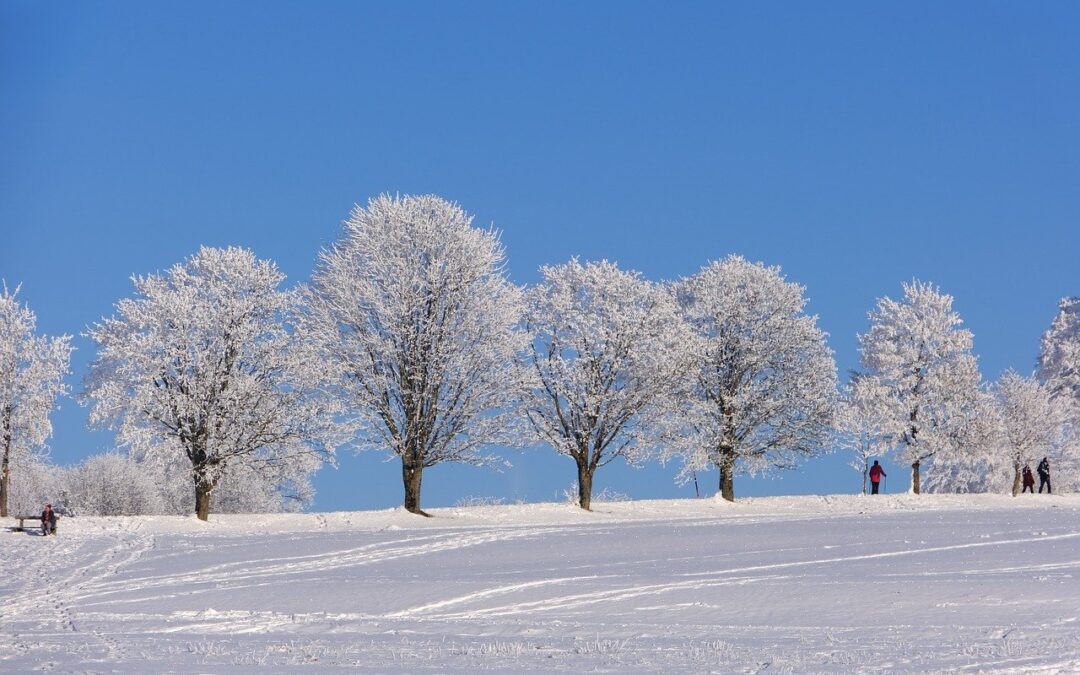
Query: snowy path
point(769, 585)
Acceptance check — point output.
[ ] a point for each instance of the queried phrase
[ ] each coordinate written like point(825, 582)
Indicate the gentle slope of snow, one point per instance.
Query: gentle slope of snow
point(794, 584)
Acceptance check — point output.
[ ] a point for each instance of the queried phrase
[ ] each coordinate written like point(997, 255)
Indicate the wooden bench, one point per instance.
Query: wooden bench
point(21, 526)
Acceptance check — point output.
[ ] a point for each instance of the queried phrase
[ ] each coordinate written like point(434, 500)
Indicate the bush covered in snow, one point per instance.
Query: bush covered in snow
point(111, 484)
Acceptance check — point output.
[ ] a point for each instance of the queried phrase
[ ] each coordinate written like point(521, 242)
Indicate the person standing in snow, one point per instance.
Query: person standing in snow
point(1044, 475)
point(48, 520)
point(876, 472)
point(1029, 480)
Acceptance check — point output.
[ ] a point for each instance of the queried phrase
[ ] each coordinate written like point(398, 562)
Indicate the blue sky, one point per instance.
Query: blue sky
point(857, 145)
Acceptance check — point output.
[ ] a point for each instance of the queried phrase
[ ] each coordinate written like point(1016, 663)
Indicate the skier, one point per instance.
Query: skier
point(1029, 480)
point(1044, 475)
point(48, 521)
point(876, 472)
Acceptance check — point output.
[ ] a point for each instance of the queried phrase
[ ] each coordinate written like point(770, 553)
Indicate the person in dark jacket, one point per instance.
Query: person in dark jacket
point(1044, 475)
point(48, 520)
point(876, 472)
point(1029, 480)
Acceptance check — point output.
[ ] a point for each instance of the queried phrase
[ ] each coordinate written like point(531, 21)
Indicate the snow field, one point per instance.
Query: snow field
point(795, 584)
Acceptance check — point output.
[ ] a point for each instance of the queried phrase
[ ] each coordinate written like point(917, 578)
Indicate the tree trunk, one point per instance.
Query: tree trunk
point(5, 469)
point(4, 477)
point(1016, 479)
point(411, 476)
point(727, 475)
point(915, 477)
point(204, 488)
point(865, 473)
point(584, 483)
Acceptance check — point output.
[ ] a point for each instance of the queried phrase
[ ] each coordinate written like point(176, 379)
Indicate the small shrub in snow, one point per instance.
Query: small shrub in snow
point(598, 646)
point(479, 501)
point(571, 495)
point(609, 495)
point(714, 650)
point(497, 649)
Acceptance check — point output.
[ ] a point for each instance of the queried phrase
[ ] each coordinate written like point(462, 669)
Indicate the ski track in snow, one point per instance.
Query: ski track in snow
point(794, 587)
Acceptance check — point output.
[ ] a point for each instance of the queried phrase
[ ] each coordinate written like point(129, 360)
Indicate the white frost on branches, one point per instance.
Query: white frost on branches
point(1034, 424)
point(200, 368)
point(32, 370)
point(413, 310)
point(1059, 360)
point(762, 389)
point(858, 425)
point(111, 484)
point(608, 350)
point(978, 464)
point(916, 352)
point(36, 483)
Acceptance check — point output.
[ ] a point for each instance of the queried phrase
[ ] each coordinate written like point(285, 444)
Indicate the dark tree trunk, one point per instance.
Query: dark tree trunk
point(584, 482)
point(411, 476)
point(916, 485)
point(865, 473)
point(5, 468)
point(4, 477)
point(204, 488)
point(727, 475)
point(1016, 480)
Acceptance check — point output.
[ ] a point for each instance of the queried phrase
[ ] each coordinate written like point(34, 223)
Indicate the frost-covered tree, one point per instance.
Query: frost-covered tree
point(413, 310)
point(916, 352)
point(111, 484)
point(608, 350)
point(1059, 360)
point(252, 489)
point(763, 382)
point(32, 370)
point(200, 367)
point(1034, 423)
point(978, 462)
point(858, 426)
point(39, 482)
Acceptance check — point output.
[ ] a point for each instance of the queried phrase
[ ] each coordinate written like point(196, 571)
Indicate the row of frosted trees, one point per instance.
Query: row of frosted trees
point(411, 338)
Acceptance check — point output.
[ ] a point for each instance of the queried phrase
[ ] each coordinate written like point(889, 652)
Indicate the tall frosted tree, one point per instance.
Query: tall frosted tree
point(1059, 359)
point(919, 356)
point(608, 350)
point(200, 367)
point(1034, 423)
point(32, 370)
point(858, 425)
point(978, 462)
point(762, 390)
point(413, 310)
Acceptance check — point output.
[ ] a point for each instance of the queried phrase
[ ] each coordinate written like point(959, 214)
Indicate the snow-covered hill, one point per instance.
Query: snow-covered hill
point(794, 584)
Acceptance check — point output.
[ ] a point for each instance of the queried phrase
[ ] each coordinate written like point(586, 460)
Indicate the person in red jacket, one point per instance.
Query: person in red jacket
point(48, 520)
point(876, 472)
point(1029, 480)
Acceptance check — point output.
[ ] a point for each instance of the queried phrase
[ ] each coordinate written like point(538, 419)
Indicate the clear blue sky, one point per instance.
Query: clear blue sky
point(857, 145)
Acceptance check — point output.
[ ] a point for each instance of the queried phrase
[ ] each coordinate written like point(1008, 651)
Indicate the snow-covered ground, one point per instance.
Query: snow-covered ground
point(793, 584)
